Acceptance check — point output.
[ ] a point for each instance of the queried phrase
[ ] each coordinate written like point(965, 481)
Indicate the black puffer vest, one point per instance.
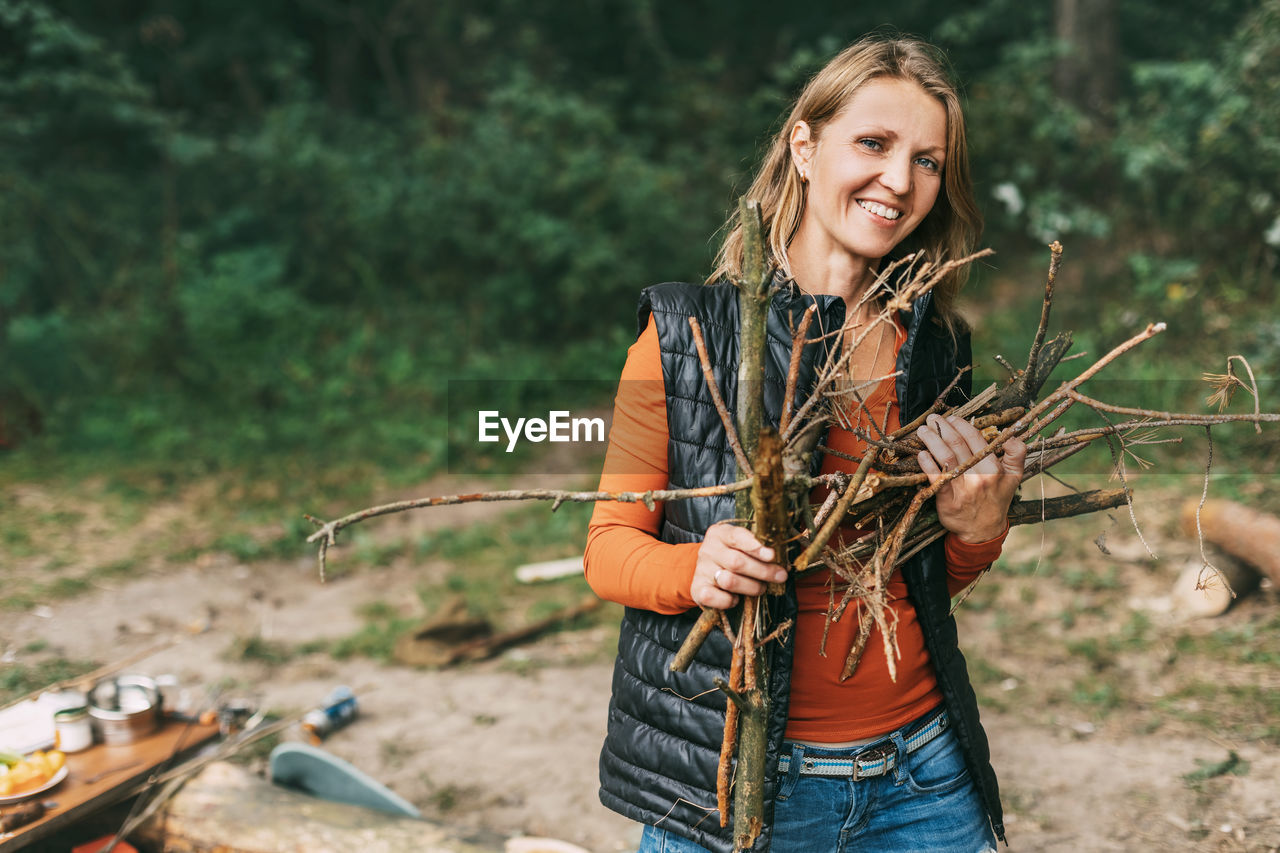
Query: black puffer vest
point(660, 756)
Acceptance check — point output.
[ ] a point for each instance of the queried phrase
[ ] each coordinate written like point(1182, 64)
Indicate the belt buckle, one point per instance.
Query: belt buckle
point(885, 752)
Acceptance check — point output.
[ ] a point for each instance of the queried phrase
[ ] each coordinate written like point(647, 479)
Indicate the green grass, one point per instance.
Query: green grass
point(256, 649)
point(376, 611)
point(67, 587)
point(485, 556)
point(377, 639)
point(32, 593)
point(482, 558)
point(1091, 580)
point(17, 541)
point(446, 798)
point(18, 601)
point(1248, 712)
point(1104, 651)
point(20, 679)
point(1098, 695)
point(1247, 652)
point(1256, 642)
point(374, 554)
point(254, 513)
point(1111, 664)
point(1233, 765)
point(116, 569)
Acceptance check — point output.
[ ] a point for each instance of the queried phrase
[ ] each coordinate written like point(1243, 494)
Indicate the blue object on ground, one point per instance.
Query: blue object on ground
point(313, 771)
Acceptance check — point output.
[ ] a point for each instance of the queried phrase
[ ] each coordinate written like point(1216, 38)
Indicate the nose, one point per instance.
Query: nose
point(896, 175)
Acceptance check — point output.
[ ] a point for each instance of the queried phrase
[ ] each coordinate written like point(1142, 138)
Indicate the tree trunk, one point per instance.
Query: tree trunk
point(1086, 75)
point(342, 56)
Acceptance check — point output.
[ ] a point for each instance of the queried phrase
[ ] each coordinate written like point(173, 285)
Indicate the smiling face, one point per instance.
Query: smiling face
point(873, 174)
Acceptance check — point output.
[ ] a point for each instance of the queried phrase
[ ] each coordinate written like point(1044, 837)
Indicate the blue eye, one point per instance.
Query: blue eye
point(873, 144)
point(929, 163)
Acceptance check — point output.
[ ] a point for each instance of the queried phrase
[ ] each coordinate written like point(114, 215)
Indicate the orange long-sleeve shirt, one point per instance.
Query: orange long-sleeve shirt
point(627, 563)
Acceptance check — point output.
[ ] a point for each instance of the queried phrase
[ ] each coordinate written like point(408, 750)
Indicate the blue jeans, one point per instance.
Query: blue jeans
point(927, 803)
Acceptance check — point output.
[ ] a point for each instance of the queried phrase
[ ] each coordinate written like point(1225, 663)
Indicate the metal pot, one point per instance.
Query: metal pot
point(124, 708)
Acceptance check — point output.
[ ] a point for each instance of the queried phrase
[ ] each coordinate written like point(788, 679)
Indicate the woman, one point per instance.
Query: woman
point(870, 165)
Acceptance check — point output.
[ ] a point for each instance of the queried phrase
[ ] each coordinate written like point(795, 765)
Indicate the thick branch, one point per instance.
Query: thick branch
point(729, 744)
point(762, 447)
point(927, 529)
point(1081, 503)
point(771, 521)
point(865, 621)
point(694, 639)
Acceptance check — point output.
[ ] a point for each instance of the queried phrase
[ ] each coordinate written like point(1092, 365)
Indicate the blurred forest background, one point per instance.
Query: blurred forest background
point(245, 231)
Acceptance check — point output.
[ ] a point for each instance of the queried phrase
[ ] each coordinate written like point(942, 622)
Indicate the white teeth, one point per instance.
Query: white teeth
point(880, 210)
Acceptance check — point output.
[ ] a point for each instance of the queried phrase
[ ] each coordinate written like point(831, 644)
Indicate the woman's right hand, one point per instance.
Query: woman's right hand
point(731, 562)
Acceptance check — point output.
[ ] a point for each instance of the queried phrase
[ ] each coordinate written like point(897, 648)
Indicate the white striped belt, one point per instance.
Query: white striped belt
point(873, 761)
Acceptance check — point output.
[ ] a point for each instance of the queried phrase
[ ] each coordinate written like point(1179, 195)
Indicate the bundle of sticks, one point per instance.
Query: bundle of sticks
point(887, 494)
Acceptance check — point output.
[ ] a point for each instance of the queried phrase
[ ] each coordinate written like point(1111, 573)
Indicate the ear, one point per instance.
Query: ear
point(802, 146)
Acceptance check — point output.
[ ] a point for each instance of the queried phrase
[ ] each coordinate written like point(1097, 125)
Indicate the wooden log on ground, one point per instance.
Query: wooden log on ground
point(1200, 591)
point(460, 640)
point(229, 809)
point(1242, 532)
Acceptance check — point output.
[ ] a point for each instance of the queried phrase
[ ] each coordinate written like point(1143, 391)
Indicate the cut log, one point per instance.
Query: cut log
point(1242, 532)
point(228, 809)
point(1200, 591)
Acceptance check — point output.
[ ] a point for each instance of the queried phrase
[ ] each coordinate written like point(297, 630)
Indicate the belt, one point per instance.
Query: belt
point(873, 761)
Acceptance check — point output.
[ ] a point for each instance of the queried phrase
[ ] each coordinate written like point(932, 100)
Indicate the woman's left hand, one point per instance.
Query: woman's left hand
point(974, 505)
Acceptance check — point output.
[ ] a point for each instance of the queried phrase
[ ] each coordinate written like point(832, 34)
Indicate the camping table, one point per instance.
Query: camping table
point(103, 775)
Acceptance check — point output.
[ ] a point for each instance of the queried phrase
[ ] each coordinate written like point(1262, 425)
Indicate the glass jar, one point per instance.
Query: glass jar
point(73, 732)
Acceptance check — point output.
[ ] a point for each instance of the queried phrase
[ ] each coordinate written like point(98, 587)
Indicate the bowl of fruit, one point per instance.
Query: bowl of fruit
point(23, 776)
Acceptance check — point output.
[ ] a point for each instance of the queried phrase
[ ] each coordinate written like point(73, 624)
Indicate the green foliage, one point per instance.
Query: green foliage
point(281, 227)
point(1166, 191)
point(318, 275)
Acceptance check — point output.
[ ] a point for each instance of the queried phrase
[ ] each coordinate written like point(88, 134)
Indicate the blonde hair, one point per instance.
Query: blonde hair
point(951, 228)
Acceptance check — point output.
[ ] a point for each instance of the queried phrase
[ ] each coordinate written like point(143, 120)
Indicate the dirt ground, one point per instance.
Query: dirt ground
point(509, 746)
